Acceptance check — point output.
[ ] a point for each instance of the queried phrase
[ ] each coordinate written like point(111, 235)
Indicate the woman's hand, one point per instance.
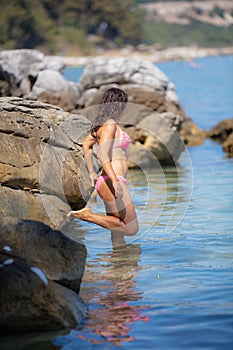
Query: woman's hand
point(117, 189)
point(94, 178)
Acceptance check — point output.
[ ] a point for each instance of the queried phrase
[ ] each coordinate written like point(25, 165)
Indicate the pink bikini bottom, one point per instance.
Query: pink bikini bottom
point(105, 177)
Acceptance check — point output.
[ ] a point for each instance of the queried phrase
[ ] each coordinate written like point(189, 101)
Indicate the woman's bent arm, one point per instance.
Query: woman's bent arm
point(88, 144)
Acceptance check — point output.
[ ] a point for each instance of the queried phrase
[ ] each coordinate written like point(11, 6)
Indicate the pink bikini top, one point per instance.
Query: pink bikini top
point(124, 139)
point(123, 143)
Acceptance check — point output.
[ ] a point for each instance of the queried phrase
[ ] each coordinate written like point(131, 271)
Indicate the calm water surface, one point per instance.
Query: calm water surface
point(170, 286)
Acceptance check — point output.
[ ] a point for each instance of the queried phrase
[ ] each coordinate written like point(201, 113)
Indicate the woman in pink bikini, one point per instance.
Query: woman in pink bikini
point(113, 144)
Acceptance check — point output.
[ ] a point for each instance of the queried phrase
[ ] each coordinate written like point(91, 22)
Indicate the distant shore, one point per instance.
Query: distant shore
point(150, 54)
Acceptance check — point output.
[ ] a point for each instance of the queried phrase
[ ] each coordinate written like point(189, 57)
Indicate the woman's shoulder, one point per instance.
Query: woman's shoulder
point(109, 127)
point(111, 122)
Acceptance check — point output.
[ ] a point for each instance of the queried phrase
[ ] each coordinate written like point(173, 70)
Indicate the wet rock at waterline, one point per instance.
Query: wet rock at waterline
point(228, 145)
point(223, 133)
point(222, 130)
point(60, 258)
point(39, 268)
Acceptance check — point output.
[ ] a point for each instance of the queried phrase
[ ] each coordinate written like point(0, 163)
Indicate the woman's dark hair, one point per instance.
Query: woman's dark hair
point(112, 106)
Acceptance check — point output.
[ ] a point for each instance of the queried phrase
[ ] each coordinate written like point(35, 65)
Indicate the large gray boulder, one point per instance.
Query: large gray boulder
point(102, 71)
point(42, 171)
point(144, 82)
point(30, 74)
point(50, 86)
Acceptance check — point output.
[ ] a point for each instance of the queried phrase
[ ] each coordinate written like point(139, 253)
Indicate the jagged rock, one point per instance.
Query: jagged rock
point(20, 204)
point(31, 303)
point(42, 155)
point(60, 258)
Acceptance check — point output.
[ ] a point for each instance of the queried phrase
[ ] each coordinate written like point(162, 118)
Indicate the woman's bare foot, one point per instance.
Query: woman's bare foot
point(80, 214)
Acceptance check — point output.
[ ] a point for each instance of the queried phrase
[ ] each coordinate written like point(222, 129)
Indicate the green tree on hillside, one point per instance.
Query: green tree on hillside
point(31, 23)
point(24, 24)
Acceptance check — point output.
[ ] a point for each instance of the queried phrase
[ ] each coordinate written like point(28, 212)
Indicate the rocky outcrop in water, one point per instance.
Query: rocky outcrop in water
point(223, 133)
point(40, 272)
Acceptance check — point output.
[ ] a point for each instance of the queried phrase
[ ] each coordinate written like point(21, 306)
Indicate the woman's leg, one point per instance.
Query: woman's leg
point(121, 216)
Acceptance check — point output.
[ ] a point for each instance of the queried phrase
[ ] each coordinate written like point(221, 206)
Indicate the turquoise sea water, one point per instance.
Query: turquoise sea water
point(171, 286)
point(169, 289)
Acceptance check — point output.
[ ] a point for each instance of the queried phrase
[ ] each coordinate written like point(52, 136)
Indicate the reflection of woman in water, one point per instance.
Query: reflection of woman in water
point(111, 185)
point(117, 309)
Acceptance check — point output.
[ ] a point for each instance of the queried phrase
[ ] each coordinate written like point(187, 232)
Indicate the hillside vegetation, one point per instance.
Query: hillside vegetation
point(84, 26)
point(56, 24)
point(184, 23)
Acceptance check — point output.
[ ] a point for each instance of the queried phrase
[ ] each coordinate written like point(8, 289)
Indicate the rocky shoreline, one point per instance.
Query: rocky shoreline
point(148, 53)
